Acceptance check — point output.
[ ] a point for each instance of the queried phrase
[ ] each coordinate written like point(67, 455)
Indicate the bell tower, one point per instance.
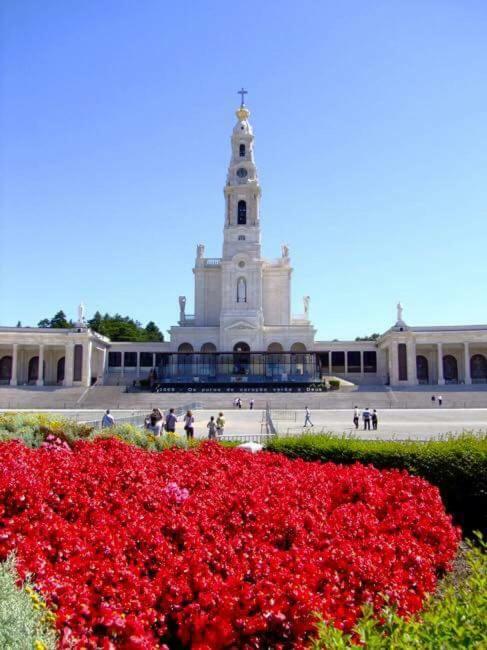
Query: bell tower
point(241, 316)
point(242, 192)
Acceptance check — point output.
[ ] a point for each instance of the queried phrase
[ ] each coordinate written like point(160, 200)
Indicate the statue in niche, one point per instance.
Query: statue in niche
point(285, 251)
point(241, 290)
point(306, 305)
point(200, 251)
point(182, 308)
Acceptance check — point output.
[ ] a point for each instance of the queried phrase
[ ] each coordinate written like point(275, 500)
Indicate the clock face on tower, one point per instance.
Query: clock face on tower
point(241, 172)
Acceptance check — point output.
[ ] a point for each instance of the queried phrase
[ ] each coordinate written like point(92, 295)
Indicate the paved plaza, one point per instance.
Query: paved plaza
point(393, 423)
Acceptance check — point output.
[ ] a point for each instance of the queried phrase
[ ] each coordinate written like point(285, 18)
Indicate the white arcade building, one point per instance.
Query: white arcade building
point(242, 332)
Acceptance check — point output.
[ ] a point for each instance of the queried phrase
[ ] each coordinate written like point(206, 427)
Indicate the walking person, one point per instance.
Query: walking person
point(307, 418)
point(366, 419)
point(189, 425)
point(440, 400)
point(220, 424)
point(239, 402)
point(107, 420)
point(433, 398)
point(375, 420)
point(211, 428)
point(356, 416)
point(171, 420)
point(251, 404)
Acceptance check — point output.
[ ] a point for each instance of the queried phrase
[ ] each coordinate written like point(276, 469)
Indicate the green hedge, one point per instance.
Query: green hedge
point(457, 466)
point(453, 618)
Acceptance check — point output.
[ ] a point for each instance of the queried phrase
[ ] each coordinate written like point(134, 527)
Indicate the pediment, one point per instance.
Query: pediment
point(241, 325)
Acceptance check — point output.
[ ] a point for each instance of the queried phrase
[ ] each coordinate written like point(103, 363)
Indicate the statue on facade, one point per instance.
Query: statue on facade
point(200, 251)
point(182, 308)
point(306, 300)
point(399, 312)
point(285, 251)
point(81, 315)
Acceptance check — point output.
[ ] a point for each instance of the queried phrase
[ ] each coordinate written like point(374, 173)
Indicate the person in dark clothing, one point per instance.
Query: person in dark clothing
point(366, 419)
point(374, 420)
point(171, 420)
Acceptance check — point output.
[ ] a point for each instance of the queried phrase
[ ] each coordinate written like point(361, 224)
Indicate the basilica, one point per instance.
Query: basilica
point(242, 334)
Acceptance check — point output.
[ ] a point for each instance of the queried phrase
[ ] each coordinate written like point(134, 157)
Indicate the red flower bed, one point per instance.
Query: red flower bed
point(214, 548)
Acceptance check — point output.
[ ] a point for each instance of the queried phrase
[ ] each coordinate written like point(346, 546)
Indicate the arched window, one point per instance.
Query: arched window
point(422, 369)
point(478, 369)
point(241, 290)
point(5, 368)
point(450, 369)
point(242, 213)
point(241, 150)
point(60, 370)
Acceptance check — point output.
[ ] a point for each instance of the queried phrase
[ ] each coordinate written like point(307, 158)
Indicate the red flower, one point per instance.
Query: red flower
point(214, 548)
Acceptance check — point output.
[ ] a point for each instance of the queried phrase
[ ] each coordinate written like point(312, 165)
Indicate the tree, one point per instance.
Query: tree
point(95, 322)
point(372, 337)
point(19, 324)
point(59, 321)
point(153, 332)
point(124, 328)
point(45, 322)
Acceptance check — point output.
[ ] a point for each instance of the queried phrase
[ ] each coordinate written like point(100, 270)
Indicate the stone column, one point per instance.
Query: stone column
point(466, 358)
point(412, 370)
point(441, 379)
point(104, 365)
point(40, 371)
point(394, 364)
point(345, 363)
point(68, 364)
point(361, 362)
point(13, 378)
point(330, 365)
point(137, 369)
point(86, 376)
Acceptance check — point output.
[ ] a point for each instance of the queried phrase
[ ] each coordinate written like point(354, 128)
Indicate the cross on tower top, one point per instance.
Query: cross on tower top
point(242, 93)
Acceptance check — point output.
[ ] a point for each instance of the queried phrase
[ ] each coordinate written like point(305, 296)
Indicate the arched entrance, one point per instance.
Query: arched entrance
point(241, 358)
point(207, 364)
point(5, 369)
point(450, 369)
point(422, 369)
point(298, 358)
point(60, 370)
point(275, 360)
point(185, 359)
point(478, 369)
point(33, 370)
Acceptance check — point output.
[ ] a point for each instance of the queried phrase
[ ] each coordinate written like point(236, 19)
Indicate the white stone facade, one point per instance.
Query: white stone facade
point(241, 297)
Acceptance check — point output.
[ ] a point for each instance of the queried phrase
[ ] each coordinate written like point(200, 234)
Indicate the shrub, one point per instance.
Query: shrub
point(456, 465)
point(215, 548)
point(334, 384)
point(25, 624)
point(453, 618)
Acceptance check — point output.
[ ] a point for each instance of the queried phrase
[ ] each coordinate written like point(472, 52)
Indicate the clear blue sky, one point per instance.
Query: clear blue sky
point(371, 143)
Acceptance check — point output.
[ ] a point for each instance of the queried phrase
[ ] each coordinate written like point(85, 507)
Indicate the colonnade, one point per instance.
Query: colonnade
point(77, 368)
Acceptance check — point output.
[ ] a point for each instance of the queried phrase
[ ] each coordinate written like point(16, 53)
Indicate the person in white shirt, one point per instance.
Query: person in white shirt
point(307, 418)
point(356, 416)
